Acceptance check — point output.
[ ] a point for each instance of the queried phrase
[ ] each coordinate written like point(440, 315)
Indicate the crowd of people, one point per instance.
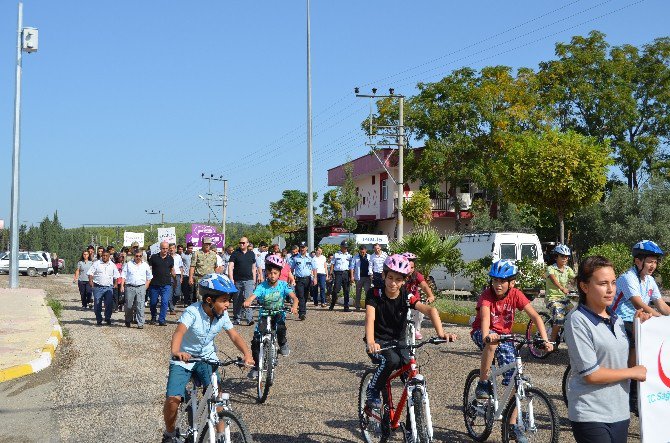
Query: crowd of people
point(599, 331)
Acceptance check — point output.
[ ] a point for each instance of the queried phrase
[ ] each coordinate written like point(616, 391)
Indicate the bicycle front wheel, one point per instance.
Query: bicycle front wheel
point(234, 431)
point(540, 426)
point(478, 413)
point(420, 415)
point(184, 429)
point(374, 423)
point(265, 370)
point(565, 387)
point(532, 334)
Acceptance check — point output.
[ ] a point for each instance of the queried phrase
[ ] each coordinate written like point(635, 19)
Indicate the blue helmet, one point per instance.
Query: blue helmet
point(561, 249)
point(215, 285)
point(503, 269)
point(646, 248)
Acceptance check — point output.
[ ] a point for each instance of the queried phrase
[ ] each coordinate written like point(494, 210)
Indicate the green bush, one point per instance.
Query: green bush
point(478, 273)
point(617, 253)
point(531, 274)
point(431, 250)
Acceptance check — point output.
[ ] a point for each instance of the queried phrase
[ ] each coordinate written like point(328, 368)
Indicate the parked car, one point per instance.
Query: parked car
point(499, 245)
point(30, 263)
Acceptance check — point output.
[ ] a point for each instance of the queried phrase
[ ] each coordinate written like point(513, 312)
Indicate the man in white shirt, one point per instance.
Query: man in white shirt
point(176, 281)
point(260, 262)
point(319, 272)
point(102, 277)
point(135, 278)
point(377, 259)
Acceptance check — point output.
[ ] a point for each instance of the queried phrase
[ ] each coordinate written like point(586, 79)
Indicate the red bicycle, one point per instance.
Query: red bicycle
point(377, 424)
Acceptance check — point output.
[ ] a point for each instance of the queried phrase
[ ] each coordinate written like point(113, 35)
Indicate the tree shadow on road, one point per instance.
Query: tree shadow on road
point(355, 368)
point(352, 322)
point(308, 437)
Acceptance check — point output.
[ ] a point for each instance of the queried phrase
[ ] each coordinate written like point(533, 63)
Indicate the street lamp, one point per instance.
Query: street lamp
point(26, 40)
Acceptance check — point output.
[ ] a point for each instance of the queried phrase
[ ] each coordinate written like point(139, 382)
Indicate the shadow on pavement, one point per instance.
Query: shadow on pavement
point(312, 437)
point(355, 368)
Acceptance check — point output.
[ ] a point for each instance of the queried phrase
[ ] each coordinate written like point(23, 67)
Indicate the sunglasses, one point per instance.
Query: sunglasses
point(138, 256)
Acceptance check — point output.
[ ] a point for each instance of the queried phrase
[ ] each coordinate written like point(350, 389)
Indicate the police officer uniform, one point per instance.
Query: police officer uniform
point(340, 264)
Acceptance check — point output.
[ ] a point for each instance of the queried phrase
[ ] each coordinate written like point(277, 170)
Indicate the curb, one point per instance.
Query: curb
point(41, 362)
point(465, 320)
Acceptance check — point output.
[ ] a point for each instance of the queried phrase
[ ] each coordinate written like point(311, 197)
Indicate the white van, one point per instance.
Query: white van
point(361, 239)
point(499, 245)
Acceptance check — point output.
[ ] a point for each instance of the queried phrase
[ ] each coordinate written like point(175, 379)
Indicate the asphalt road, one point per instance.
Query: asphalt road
point(108, 383)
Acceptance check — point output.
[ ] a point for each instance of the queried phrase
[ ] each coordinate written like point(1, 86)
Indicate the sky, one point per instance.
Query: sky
point(126, 103)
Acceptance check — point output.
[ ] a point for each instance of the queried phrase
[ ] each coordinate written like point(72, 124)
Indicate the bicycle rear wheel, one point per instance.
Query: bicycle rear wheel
point(265, 370)
point(542, 426)
point(532, 334)
point(374, 424)
point(235, 431)
point(477, 413)
point(564, 384)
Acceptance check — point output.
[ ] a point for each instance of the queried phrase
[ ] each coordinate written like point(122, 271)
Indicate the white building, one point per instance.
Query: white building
point(376, 212)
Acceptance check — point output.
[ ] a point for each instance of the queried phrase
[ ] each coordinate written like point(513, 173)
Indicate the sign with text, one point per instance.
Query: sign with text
point(217, 239)
point(167, 234)
point(155, 248)
point(130, 237)
point(198, 229)
point(653, 352)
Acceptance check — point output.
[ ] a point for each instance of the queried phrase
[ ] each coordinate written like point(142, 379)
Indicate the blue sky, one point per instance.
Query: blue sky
point(128, 102)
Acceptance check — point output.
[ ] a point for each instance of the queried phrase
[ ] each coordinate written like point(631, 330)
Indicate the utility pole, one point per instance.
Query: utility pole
point(399, 129)
point(153, 212)
point(26, 40)
point(222, 198)
point(310, 196)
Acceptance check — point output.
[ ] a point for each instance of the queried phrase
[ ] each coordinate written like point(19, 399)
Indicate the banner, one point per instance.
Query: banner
point(167, 234)
point(217, 239)
point(130, 237)
point(155, 248)
point(198, 230)
point(653, 352)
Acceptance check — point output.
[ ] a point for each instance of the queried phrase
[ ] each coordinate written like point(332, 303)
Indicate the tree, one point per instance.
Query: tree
point(620, 94)
point(349, 197)
point(418, 209)
point(559, 171)
point(290, 212)
point(431, 250)
point(331, 208)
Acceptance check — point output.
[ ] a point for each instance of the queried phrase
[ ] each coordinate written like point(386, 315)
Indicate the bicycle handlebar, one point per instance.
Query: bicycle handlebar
point(232, 361)
point(432, 340)
point(520, 339)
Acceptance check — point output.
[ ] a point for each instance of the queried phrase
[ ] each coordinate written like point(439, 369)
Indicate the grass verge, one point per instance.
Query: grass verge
point(56, 306)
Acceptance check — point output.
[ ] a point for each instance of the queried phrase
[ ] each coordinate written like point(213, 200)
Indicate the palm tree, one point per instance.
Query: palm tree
point(431, 250)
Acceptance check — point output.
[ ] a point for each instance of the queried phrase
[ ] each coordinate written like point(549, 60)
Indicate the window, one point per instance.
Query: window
point(385, 193)
point(508, 251)
point(363, 200)
point(373, 179)
point(23, 256)
point(464, 187)
point(36, 257)
point(529, 250)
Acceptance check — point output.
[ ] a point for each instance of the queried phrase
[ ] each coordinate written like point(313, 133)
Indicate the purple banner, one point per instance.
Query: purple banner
point(217, 239)
point(198, 229)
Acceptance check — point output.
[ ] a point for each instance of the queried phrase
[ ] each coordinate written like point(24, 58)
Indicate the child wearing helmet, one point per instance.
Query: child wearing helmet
point(385, 321)
point(636, 290)
point(194, 337)
point(495, 316)
point(558, 277)
point(271, 295)
point(416, 281)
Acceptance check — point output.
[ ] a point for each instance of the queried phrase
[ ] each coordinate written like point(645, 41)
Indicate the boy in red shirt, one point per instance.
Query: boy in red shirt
point(495, 316)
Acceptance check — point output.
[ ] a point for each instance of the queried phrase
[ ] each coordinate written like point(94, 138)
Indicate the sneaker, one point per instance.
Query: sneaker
point(483, 389)
point(253, 374)
point(169, 438)
point(284, 350)
point(162, 324)
point(346, 309)
point(373, 401)
point(418, 336)
point(302, 317)
point(323, 305)
point(250, 323)
point(236, 322)
point(516, 434)
point(127, 324)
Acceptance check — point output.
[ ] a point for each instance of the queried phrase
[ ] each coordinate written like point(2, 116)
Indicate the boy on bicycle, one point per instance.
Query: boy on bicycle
point(385, 324)
point(637, 289)
point(495, 316)
point(559, 275)
point(271, 295)
point(194, 337)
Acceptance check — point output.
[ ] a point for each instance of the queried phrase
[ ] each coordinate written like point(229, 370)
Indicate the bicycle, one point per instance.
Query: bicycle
point(536, 419)
point(532, 333)
point(197, 418)
point(267, 353)
point(377, 425)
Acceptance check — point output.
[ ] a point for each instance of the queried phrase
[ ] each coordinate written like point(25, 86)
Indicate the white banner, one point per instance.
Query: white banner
point(155, 248)
point(167, 234)
point(653, 352)
point(130, 237)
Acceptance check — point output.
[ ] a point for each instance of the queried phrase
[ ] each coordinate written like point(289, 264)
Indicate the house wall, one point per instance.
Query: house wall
point(370, 193)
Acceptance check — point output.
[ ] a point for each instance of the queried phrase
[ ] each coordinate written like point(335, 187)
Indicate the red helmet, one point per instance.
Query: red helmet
point(397, 263)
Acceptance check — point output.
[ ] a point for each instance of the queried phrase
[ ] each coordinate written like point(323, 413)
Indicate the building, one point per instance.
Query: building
point(376, 212)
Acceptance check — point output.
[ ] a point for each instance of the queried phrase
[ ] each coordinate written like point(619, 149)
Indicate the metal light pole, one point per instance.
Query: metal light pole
point(223, 209)
point(26, 40)
point(310, 197)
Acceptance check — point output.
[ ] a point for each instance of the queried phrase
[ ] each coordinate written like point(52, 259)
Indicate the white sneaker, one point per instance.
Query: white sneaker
point(253, 374)
point(285, 350)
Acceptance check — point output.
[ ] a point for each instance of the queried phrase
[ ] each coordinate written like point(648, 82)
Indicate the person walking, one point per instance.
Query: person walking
point(54, 263)
point(360, 272)
point(260, 262)
point(102, 277)
point(178, 272)
point(119, 296)
point(329, 277)
point(320, 275)
point(162, 269)
point(186, 288)
point(377, 259)
point(135, 280)
point(202, 263)
point(302, 267)
point(226, 258)
point(340, 266)
point(134, 247)
point(81, 278)
point(242, 272)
